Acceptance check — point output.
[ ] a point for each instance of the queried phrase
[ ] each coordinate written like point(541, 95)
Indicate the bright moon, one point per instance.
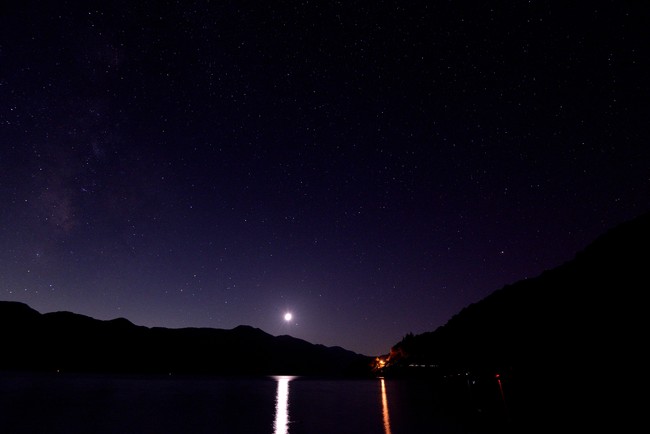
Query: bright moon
point(288, 316)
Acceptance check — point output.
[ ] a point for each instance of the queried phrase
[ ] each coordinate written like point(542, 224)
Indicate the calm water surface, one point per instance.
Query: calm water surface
point(71, 404)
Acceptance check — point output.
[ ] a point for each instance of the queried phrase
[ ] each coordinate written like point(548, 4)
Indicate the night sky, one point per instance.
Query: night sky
point(370, 167)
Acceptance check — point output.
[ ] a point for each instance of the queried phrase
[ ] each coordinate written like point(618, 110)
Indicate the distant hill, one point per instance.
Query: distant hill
point(572, 338)
point(69, 342)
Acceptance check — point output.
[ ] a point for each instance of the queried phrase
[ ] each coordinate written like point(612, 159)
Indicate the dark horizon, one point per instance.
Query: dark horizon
point(369, 168)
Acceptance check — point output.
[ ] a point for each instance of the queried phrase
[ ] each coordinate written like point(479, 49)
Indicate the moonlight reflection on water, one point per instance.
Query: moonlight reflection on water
point(281, 424)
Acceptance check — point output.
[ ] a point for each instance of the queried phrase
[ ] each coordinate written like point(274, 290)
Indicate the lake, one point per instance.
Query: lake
point(94, 404)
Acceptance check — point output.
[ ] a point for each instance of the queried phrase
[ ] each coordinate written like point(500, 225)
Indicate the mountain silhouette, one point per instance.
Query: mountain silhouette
point(570, 341)
point(69, 342)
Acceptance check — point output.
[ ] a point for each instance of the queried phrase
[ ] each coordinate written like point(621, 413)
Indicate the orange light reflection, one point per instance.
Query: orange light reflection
point(384, 407)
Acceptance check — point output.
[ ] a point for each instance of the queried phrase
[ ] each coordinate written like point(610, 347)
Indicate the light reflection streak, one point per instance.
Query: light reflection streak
point(281, 424)
point(503, 396)
point(384, 407)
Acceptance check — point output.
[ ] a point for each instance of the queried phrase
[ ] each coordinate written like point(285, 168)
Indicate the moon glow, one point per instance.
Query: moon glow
point(288, 316)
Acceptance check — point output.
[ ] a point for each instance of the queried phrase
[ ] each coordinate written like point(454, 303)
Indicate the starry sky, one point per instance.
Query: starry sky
point(371, 167)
